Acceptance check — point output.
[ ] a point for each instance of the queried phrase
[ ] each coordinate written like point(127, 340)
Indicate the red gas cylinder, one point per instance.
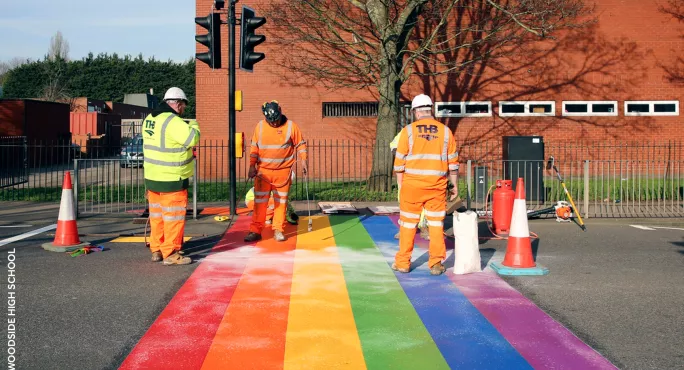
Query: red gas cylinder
point(502, 206)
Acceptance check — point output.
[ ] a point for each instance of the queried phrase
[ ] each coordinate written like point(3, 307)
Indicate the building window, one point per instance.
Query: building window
point(527, 108)
point(365, 109)
point(590, 108)
point(652, 108)
point(463, 109)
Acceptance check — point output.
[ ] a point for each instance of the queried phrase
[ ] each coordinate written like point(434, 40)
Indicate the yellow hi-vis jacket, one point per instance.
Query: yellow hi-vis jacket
point(167, 148)
point(395, 142)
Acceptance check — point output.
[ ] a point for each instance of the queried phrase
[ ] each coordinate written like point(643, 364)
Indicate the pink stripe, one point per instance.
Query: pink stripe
point(183, 332)
point(541, 340)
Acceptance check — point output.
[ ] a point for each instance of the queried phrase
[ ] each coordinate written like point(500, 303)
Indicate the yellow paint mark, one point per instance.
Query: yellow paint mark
point(321, 332)
point(138, 239)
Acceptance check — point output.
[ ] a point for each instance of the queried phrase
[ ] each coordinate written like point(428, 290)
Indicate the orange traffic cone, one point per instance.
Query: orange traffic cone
point(66, 237)
point(519, 259)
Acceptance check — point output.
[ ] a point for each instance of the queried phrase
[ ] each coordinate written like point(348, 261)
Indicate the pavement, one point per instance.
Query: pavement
point(613, 297)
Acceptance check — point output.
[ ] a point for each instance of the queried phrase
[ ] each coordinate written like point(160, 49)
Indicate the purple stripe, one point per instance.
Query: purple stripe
point(541, 340)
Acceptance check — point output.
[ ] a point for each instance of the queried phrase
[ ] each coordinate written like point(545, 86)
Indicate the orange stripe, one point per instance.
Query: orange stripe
point(252, 332)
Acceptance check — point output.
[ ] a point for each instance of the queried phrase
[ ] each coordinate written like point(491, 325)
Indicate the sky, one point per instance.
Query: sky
point(163, 29)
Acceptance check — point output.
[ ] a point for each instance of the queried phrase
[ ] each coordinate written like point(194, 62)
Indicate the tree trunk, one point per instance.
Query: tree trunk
point(388, 114)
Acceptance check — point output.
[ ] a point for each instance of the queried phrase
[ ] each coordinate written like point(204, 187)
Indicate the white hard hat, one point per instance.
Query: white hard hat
point(421, 100)
point(175, 93)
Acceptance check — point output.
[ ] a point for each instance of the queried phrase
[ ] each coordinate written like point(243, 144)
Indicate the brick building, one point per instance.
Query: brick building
point(604, 82)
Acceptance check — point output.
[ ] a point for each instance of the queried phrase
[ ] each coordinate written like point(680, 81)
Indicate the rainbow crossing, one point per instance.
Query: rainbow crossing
point(329, 299)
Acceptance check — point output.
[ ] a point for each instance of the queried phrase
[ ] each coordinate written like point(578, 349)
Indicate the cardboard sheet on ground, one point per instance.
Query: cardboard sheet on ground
point(384, 210)
point(337, 208)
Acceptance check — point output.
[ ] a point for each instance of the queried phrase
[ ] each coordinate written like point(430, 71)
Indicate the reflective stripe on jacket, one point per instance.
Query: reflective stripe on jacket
point(425, 154)
point(167, 148)
point(274, 147)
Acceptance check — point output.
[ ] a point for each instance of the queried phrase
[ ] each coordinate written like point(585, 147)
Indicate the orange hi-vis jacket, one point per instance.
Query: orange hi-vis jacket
point(425, 154)
point(274, 148)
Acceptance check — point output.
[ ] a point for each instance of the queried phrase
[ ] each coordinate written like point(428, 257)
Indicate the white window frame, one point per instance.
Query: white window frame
point(589, 104)
point(651, 104)
point(527, 112)
point(463, 105)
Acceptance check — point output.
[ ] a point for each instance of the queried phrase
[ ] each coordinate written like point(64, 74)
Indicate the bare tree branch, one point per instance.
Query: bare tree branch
point(59, 47)
point(382, 44)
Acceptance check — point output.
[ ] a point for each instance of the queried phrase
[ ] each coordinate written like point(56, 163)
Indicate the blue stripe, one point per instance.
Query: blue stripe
point(463, 335)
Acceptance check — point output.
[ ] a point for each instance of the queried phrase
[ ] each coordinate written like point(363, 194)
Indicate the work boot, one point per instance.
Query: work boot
point(156, 256)
point(437, 269)
point(252, 237)
point(425, 232)
point(177, 259)
point(278, 235)
point(395, 268)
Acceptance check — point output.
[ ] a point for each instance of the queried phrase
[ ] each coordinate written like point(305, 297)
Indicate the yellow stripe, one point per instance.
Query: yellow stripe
point(138, 239)
point(321, 332)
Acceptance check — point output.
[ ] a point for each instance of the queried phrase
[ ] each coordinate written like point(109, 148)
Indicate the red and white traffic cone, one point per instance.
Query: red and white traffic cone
point(519, 259)
point(66, 237)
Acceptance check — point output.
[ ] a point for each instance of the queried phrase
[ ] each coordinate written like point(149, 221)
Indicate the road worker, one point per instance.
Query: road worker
point(291, 216)
point(426, 154)
point(169, 163)
point(422, 225)
point(275, 146)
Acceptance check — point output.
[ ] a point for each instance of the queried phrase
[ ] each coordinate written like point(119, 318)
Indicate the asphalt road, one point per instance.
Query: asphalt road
point(616, 287)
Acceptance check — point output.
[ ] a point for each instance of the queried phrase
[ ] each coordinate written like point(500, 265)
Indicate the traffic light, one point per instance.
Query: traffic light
point(248, 39)
point(212, 40)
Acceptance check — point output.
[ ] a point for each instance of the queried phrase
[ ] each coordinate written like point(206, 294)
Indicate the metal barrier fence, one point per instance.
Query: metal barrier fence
point(603, 188)
point(105, 186)
point(604, 180)
point(13, 161)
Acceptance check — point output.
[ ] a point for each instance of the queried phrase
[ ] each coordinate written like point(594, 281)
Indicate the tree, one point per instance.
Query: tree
point(13, 63)
point(379, 45)
point(104, 77)
point(56, 83)
point(59, 47)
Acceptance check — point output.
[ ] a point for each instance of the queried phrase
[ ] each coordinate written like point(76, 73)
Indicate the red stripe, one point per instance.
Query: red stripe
point(183, 332)
point(252, 334)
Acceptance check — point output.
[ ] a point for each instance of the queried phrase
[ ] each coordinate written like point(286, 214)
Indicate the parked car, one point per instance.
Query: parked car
point(132, 153)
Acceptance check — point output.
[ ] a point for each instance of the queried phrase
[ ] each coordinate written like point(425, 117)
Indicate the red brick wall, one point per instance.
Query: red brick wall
point(619, 59)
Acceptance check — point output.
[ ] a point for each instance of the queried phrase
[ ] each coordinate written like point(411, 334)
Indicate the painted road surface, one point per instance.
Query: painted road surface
point(328, 299)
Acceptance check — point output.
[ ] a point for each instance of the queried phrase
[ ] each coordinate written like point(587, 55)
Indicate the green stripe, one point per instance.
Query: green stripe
point(392, 335)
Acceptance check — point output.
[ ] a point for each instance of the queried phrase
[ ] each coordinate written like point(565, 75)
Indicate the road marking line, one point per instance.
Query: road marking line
point(642, 227)
point(668, 228)
point(27, 235)
point(8, 226)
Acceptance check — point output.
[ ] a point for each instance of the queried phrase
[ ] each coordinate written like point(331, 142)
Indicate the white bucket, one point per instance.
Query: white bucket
point(466, 243)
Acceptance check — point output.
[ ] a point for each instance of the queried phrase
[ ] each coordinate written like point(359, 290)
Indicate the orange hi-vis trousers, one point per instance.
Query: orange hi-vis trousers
point(413, 200)
point(167, 221)
point(278, 182)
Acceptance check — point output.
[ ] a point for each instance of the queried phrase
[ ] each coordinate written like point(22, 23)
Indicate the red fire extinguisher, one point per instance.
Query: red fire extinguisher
point(502, 206)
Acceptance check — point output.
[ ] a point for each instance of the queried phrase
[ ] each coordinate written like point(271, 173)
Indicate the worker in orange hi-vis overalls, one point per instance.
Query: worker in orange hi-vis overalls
point(426, 154)
point(275, 146)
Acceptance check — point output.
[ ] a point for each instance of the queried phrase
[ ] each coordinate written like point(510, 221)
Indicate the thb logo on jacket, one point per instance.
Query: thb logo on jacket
point(425, 132)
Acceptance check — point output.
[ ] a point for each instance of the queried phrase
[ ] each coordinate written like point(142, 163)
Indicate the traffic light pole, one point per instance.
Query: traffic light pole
point(231, 109)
